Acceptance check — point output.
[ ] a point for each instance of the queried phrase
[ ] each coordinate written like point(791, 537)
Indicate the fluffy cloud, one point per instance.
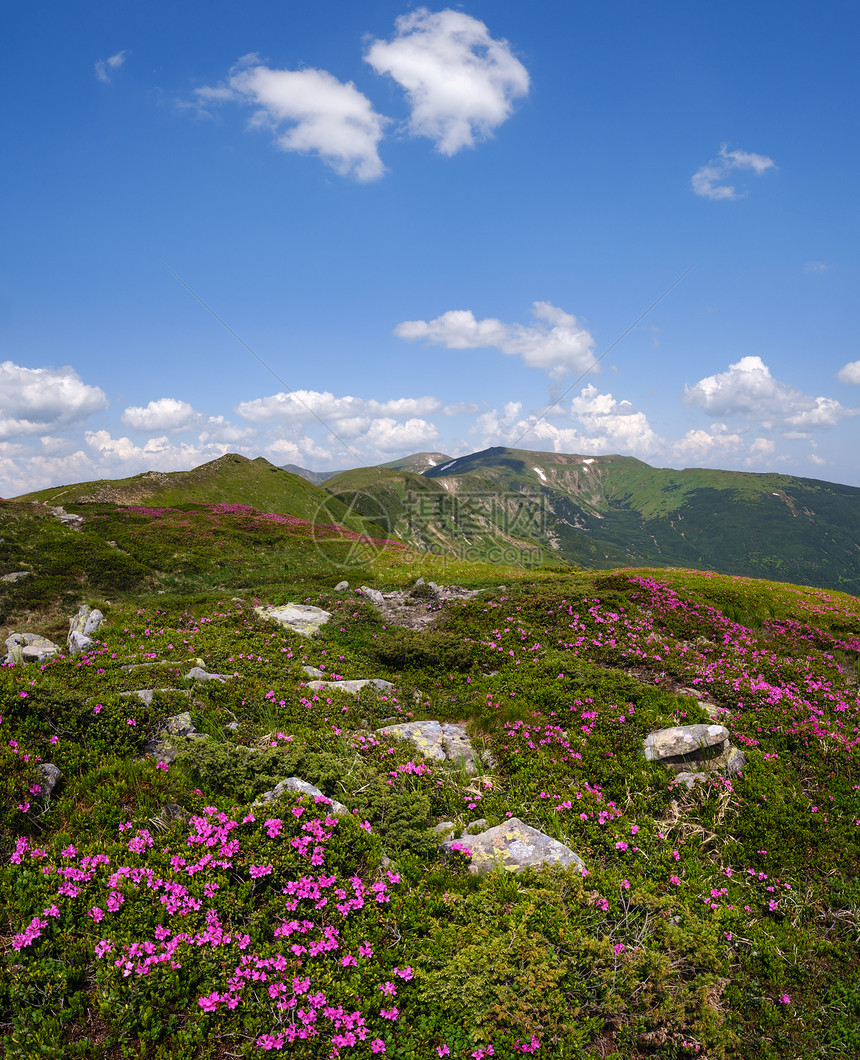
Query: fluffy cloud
point(748, 389)
point(41, 400)
point(605, 426)
point(165, 414)
point(709, 181)
point(308, 111)
point(105, 67)
point(850, 373)
point(305, 406)
point(558, 344)
point(387, 435)
point(461, 83)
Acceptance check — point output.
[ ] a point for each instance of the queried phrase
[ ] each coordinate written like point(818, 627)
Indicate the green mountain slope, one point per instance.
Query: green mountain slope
point(612, 510)
point(231, 479)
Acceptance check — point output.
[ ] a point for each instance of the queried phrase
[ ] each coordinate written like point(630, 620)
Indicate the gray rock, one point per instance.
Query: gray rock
point(352, 687)
point(312, 671)
point(15, 575)
point(167, 742)
point(514, 846)
point(199, 674)
point(442, 741)
point(296, 784)
point(29, 647)
point(303, 619)
point(49, 775)
point(79, 642)
point(373, 595)
point(683, 746)
point(443, 828)
point(342, 587)
point(695, 752)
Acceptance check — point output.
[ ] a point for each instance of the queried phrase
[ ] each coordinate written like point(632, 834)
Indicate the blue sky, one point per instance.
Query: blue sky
point(429, 225)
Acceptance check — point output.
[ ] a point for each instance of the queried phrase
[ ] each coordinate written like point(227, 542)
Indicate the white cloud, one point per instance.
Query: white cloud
point(461, 83)
point(105, 67)
point(709, 181)
point(308, 111)
point(165, 414)
point(849, 373)
point(748, 389)
point(306, 406)
point(388, 435)
point(610, 426)
point(42, 400)
point(813, 267)
point(558, 344)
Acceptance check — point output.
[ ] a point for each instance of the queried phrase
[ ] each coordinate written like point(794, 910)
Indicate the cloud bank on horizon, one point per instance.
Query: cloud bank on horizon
point(450, 234)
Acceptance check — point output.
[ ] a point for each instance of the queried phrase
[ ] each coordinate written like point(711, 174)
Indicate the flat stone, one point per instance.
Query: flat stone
point(304, 619)
point(15, 575)
point(342, 587)
point(313, 671)
point(296, 784)
point(514, 846)
point(352, 687)
point(145, 694)
point(681, 745)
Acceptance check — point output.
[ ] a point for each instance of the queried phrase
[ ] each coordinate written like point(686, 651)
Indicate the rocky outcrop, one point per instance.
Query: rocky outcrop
point(304, 619)
point(694, 752)
point(514, 846)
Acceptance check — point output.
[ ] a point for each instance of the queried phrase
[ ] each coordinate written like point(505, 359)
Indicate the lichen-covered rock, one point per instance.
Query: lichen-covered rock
point(303, 788)
point(352, 687)
point(514, 846)
point(29, 647)
point(442, 741)
point(304, 619)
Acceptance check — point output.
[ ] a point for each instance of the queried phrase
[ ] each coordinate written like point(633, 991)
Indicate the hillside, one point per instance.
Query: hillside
point(231, 479)
point(150, 906)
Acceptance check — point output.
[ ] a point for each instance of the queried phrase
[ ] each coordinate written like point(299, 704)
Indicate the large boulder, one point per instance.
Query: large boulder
point(514, 846)
point(304, 619)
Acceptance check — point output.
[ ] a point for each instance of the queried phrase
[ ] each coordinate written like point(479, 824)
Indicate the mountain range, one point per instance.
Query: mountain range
point(537, 509)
